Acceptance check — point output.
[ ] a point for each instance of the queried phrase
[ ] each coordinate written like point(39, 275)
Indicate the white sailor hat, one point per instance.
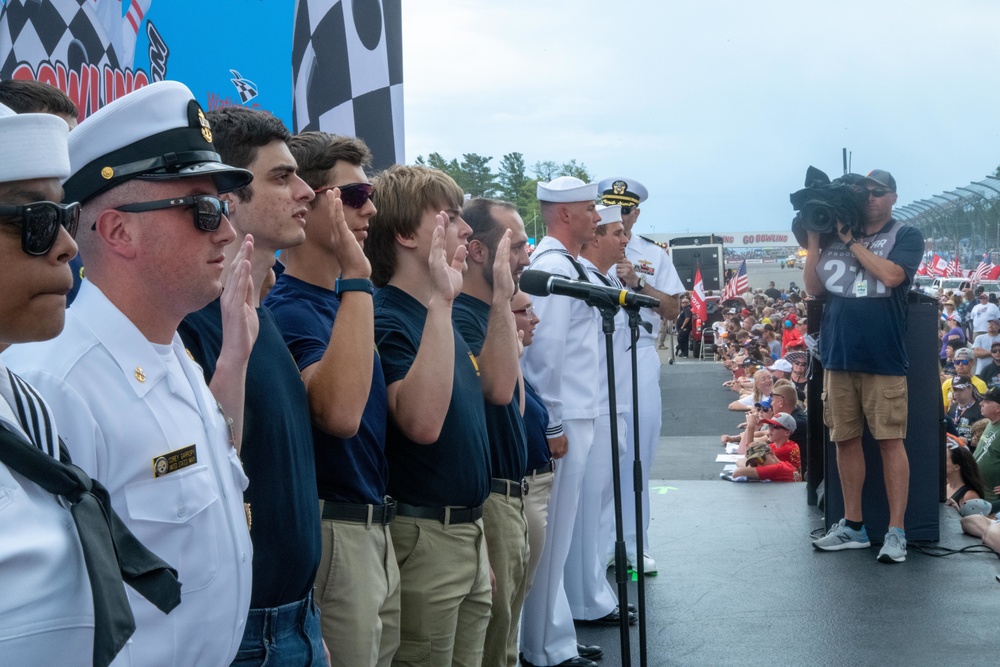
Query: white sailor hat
point(158, 132)
point(609, 214)
point(566, 189)
point(32, 145)
point(622, 190)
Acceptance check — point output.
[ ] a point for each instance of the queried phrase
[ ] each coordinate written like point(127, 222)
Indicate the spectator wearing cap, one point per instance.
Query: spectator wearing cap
point(784, 398)
point(562, 365)
point(991, 373)
point(277, 451)
point(982, 313)
point(780, 429)
point(133, 407)
point(866, 279)
point(780, 369)
point(987, 451)
point(983, 343)
point(963, 369)
point(763, 464)
point(800, 371)
point(949, 314)
point(648, 270)
point(964, 410)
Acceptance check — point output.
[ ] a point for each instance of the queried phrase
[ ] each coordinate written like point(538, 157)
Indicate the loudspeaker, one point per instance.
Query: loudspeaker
point(924, 441)
point(687, 259)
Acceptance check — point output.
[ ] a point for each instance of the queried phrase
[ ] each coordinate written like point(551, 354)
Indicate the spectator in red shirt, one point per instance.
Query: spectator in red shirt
point(764, 465)
point(782, 426)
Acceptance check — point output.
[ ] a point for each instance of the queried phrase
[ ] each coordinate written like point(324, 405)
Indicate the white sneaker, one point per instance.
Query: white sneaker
point(648, 564)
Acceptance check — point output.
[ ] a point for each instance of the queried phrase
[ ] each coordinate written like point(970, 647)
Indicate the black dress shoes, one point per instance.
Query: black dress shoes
point(590, 652)
point(611, 619)
point(572, 662)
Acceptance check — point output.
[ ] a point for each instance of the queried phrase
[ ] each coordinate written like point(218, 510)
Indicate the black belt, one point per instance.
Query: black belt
point(368, 514)
point(508, 488)
point(446, 515)
point(548, 467)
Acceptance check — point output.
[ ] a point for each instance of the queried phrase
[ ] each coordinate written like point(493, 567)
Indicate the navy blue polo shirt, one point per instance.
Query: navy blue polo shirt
point(508, 443)
point(454, 470)
point(277, 454)
point(348, 470)
point(536, 420)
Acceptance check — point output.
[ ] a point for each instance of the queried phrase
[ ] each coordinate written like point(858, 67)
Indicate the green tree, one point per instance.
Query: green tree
point(477, 178)
point(546, 171)
point(511, 177)
point(571, 168)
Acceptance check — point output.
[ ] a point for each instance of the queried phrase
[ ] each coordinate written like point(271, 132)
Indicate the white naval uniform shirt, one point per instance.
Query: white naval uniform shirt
point(46, 609)
point(652, 261)
point(561, 362)
point(621, 341)
point(119, 407)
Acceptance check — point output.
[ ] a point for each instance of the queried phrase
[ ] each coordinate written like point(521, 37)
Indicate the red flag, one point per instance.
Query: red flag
point(698, 305)
point(939, 267)
point(922, 270)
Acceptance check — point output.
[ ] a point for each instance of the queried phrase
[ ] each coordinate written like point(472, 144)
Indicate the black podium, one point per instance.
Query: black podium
point(924, 441)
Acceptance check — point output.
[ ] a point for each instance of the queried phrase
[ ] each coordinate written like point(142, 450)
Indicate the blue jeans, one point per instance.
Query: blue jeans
point(288, 635)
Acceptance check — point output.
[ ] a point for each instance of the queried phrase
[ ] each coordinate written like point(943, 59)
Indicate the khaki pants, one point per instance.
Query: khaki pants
point(444, 592)
point(536, 513)
point(357, 589)
point(507, 542)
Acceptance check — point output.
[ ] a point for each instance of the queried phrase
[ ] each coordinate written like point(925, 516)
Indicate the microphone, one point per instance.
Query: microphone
point(542, 283)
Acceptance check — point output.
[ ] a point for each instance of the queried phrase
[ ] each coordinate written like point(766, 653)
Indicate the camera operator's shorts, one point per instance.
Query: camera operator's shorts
point(849, 398)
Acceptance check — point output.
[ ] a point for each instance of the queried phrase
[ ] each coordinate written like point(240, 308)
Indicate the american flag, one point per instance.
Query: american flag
point(983, 270)
point(738, 284)
point(954, 269)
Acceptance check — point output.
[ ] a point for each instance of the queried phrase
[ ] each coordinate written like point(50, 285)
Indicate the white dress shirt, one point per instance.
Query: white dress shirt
point(119, 408)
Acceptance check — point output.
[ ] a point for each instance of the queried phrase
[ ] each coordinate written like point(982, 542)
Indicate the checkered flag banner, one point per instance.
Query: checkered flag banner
point(246, 88)
point(66, 31)
point(347, 69)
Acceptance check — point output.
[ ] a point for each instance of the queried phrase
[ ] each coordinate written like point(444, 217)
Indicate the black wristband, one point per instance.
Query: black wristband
point(850, 243)
point(353, 285)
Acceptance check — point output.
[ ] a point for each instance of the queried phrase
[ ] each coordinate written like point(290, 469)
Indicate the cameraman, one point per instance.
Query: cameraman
point(865, 277)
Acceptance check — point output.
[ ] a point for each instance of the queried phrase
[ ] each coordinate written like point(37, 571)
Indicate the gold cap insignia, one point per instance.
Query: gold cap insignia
point(107, 173)
point(206, 129)
point(619, 187)
point(139, 375)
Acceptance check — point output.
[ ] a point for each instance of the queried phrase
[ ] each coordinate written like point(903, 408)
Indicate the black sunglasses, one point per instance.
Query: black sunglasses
point(40, 222)
point(208, 209)
point(627, 209)
point(878, 193)
point(355, 195)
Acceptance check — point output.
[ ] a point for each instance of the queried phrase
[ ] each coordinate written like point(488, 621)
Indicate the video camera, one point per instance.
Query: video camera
point(822, 202)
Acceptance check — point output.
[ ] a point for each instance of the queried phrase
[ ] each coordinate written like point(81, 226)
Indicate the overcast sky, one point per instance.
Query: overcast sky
point(717, 107)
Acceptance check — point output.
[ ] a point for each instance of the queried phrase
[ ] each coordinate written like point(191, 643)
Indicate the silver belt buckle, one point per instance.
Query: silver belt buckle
point(524, 487)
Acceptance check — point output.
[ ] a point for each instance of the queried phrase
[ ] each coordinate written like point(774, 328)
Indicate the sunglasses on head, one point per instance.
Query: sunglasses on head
point(40, 222)
point(355, 195)
point(208, 209)
point(878, 193)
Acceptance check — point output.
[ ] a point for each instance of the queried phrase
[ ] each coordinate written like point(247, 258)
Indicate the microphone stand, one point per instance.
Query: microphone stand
point(634, 322)
point(608, 310)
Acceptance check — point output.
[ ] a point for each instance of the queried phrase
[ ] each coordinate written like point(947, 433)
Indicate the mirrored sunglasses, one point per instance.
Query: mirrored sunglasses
point(40, 222)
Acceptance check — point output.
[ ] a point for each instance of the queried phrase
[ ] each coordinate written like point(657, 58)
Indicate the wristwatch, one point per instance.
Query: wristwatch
point(850, 243)
point(352, 285)
point(642, 283)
